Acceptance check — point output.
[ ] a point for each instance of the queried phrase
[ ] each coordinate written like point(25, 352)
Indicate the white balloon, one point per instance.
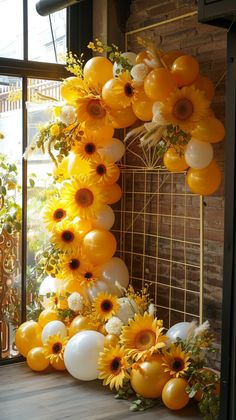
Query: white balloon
point(105, 218)
point(113, 151)
point(81, 355)
point(131, 57)
point(198, 154)
point(114, 271)
point(53, 328)
point(128, 308)
point(99, 286)
point(179, 330)
point(48, 285)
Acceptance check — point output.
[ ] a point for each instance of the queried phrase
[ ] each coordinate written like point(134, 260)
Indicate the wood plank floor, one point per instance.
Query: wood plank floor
point(57, 396)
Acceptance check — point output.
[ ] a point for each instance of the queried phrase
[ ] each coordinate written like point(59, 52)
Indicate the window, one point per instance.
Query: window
point(29, 68)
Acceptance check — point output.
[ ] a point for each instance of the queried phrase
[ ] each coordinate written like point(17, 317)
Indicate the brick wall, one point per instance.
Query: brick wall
point(208, 44)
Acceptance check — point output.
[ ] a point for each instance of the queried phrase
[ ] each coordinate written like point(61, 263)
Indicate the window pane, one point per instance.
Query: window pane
point(10, 211)
point(11, 28)
point(39, 168)
point(41, 46)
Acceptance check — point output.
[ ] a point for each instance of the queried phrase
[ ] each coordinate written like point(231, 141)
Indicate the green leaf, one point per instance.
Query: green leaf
point(32, 182)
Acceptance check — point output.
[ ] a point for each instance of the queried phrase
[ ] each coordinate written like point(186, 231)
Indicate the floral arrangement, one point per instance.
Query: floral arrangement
point(91, 322)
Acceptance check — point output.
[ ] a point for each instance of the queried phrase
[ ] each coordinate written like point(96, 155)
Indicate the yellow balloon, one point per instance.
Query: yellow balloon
point(173, 161)
point(101, 135)
point(142, 106)
point(46, 316)
point(111, 340)
point(80, 323)
point(84, 226)
point(28, 336)
point(71, 89)
point(99, 246)
point(159, 84)
point(149, 378)
point(36, 359)
point(58, 364)
point(113, 193)
point(204, 181)
point(210, 130)
point(122, 118)
point(97, 71)
point(174, 394)
point(77, 166)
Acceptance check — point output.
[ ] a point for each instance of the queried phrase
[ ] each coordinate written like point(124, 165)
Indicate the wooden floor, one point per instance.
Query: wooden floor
point(56, 396)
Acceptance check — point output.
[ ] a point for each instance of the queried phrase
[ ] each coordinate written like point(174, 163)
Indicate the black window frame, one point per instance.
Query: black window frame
point(79, 33)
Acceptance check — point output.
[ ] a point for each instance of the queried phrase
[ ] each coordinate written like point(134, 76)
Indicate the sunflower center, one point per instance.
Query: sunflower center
point(106, 305)
point(84, 197)
point(177, 364)
point(56, 348)
point(74, 264)
point(95, 109)
point(183, 109)
point(67, 236)
point(90, 148)
point(129, 91)
point(88, 275)
point(115, 365)
point(101, 169)
point(59, 214)
point(145, 339)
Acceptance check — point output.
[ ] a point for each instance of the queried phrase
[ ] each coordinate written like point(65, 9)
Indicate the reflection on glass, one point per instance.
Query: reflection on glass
point(41, 36)
point(10, 211)
point(40, 167)
point(11, 28)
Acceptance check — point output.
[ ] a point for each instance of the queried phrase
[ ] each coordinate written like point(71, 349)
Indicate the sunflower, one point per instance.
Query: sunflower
point(91, 109)
point(143, 336)
point(124, 89)
point(54, 348)
point(54, 212)
point(89, 275)
point(71, 265)
point(113, 366)
point(176, 361)
point(103, 172)
point(185, 107)
point(86, 148)
point(104, 306)
point(57, 300)
point(66, 236)
point(82, 198)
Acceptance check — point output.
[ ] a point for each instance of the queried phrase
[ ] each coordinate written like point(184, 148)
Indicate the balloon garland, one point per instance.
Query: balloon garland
point(92, 323)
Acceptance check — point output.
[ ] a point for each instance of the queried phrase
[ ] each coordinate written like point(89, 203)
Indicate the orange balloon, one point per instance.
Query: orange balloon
point(185, 70)
point(170, 56)
point(101, 134)
point(149, 378)
point(111, 340)
point(174, 395)
point(159, 84)
point(97, 71)
point(84, 226)
point(204, 181)
point(173, 161)
point(70, 89)
point(99, 246)
point(77, 166)
point(210, 130)
point(36, 359)
point(142, 106)
point(113, 193)
point(58, 364)
point(28, 336)
point(122, 118)
point(80, 323)
point(46, 316)
point(206, 85)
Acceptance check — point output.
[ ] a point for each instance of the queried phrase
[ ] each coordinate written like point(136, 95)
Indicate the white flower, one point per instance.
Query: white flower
point(114, 325)
point(201, 329)
point(75, 301)
point(157, 115)
point(139, 72)
point(151, 309)
point(67, 115)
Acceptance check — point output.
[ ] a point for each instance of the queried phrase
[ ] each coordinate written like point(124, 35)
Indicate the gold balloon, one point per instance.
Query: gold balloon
point(46, 316)
point(80, 323)
point(28, 336)
point(174, 161)
point(58, 364)
point(149, 378)
point(97, 71)
point(204, 181)
point(122, 118)
point(174, 395)
point(111, 340)
point(36, 359)
point(99, 246)
point(113, 193)
point(142, 106)
point(210, 130)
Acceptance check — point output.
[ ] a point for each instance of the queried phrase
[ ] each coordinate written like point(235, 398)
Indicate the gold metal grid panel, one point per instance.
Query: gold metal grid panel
point(160, 237)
